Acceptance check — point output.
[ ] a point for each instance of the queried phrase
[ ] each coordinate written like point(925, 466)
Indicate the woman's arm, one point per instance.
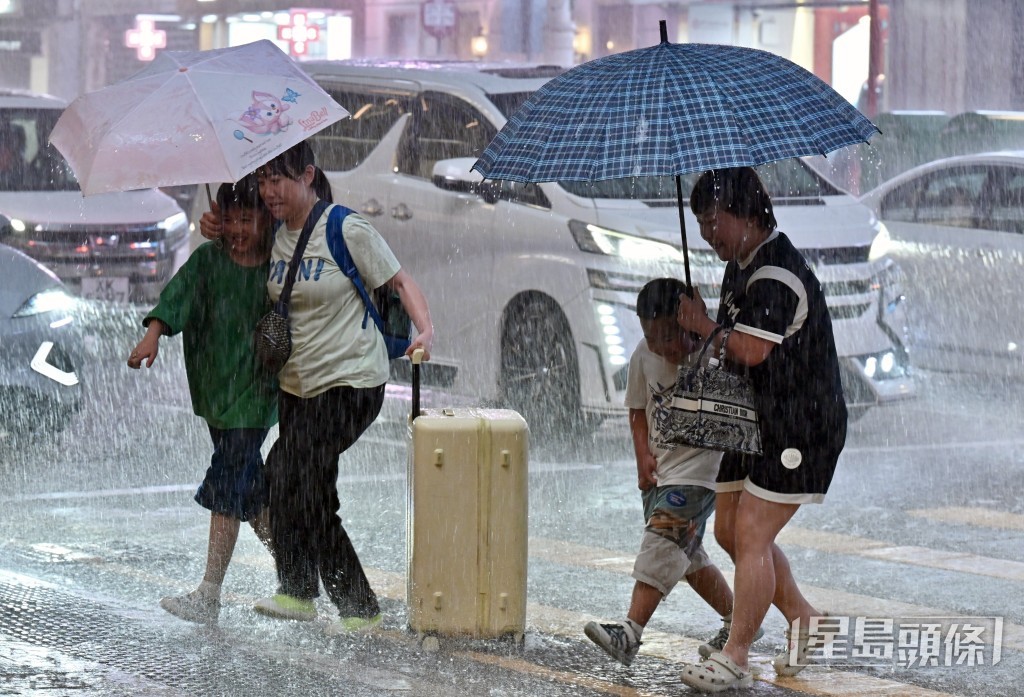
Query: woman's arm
point(415, 304)
point(742, 348)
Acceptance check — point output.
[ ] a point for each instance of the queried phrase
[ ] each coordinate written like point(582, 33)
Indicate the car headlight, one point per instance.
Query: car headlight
point(599, 240)
point(52, 300)
point(881, 245)
point(174, 226)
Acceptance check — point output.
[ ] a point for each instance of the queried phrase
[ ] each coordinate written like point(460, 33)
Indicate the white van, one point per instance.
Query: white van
point(117, 246)
point(533, 287)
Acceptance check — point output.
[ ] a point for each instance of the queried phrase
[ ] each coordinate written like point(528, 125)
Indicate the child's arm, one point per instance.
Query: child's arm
point(149, 346)
point(646, 463)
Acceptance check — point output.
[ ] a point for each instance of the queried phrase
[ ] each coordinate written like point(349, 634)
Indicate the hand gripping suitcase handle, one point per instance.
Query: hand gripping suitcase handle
point(417, 358)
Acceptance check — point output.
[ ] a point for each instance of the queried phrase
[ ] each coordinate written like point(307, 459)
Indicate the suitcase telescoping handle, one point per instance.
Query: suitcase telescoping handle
point(417, 358)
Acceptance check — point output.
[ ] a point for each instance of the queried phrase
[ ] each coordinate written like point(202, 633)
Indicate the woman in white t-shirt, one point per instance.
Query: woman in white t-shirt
point(332, 389)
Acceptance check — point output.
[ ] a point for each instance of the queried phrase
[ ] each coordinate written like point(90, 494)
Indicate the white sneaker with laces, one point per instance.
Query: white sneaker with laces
point(618, 641)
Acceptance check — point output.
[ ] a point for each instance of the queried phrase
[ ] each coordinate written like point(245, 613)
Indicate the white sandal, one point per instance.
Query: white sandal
point(716, 674)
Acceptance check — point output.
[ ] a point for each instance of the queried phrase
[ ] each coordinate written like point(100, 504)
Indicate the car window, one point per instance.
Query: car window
point(345, 144)
point(900, 204)
point(951, 197)
point(527, 194)
point(445, 127)
point(27, 161)
point(1006, 209)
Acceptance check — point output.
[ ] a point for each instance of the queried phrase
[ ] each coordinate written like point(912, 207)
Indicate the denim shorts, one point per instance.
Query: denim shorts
point(672, 544)
point(235, 484)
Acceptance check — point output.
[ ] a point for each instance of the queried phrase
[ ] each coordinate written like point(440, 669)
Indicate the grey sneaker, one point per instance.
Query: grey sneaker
point(615, 639)
point(715, 643)
point(194, 607)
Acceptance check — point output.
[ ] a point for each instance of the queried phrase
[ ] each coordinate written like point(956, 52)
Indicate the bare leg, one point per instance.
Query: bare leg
point(759, 579)
point(223, 535)
point(644, 602)
point(710, 584)
point(725, 521)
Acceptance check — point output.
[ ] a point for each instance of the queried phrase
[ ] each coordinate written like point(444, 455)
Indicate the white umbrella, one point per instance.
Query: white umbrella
point(192, 117)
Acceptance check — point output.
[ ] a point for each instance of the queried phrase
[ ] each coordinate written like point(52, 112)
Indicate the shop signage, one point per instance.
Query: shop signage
point(20, 42)
point(439, 18)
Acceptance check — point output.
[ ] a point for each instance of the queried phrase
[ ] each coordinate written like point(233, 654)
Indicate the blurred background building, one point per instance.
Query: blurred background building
point(949, 55)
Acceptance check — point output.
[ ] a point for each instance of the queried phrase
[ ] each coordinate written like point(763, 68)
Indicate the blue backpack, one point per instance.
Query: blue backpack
point(391, 319)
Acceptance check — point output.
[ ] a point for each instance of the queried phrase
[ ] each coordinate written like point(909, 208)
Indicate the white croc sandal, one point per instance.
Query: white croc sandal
point(716, 674)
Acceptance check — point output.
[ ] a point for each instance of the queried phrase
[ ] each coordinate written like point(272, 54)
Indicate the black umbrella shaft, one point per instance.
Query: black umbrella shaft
point(663, 28)
point(682, 228)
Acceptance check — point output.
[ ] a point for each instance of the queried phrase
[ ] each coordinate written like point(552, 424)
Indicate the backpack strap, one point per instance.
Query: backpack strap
point(339, 250)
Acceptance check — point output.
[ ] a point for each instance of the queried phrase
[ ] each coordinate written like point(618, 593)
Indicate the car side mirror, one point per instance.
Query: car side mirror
point(457, 175)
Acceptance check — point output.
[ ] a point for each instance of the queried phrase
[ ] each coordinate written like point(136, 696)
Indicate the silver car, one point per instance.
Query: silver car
point(41, 348)
point(957, 231)
point(116, 247)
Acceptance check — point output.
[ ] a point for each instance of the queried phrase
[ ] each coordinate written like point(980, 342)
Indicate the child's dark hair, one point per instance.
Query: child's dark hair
point(245, 193)
point(736, 190)
point(293, 162)
point(659, 298)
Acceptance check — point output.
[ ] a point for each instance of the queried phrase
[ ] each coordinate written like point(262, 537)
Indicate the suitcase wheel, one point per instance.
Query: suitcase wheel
point(429, 643)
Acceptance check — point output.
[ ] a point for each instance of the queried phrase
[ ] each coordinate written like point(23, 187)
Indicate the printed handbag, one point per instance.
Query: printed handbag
point(272, 340)
point(713, 408)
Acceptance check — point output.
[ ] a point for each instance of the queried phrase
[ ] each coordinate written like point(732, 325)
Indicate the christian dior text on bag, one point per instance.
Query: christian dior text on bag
point(713, 408)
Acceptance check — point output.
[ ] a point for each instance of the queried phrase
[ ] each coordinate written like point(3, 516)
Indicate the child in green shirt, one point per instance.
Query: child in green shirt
point(215, 301)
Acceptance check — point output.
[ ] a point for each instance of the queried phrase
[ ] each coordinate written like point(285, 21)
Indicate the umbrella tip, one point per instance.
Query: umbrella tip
point(182, 69)
point(663, 28)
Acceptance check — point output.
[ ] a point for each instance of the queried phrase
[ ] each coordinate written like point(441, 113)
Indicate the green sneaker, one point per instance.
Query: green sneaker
point(349, 625)
point(286, 607)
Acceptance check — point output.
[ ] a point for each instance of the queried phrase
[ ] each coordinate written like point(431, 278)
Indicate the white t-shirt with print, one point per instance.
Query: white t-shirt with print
point(330, 346)
point(650, 383)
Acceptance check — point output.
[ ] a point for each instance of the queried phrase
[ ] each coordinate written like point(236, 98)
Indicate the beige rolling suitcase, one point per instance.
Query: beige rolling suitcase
point(467, 529)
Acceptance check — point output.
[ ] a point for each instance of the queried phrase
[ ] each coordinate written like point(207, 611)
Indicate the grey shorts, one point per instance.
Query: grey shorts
point(672, 545)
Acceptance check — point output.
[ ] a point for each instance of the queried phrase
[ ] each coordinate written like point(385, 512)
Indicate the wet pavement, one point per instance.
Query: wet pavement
point(924, 520)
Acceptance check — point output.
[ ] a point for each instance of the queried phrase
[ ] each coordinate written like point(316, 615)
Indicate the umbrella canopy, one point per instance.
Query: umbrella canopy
point(671, 109)
point(192, 117)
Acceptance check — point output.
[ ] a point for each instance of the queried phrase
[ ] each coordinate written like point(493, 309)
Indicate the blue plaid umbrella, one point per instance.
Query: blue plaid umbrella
point(668, 110)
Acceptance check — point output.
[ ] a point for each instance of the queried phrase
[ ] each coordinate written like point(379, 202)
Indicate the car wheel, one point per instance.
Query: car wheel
point(539, 372)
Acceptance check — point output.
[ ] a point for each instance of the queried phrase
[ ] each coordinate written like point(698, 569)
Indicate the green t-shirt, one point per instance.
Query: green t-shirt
point(215, 304)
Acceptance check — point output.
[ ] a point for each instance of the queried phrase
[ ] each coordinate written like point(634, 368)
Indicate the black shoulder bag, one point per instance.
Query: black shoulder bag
point(273, 339)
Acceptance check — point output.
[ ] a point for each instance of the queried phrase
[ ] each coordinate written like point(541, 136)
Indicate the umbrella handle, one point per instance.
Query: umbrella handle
point(682, 228)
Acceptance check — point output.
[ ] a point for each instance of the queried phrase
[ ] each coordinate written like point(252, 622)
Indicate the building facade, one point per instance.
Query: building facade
point(951, 55)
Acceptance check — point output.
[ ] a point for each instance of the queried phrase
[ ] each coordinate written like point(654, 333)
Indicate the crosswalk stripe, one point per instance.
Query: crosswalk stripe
point(838, 543)
point(835, 601)
point(980, 517)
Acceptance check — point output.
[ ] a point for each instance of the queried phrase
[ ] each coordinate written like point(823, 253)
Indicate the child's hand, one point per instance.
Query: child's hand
point(145, 351)
point(646, 470)
point(210, 225)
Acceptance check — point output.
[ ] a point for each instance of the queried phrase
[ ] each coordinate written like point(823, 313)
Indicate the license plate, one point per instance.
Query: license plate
point(114, 289)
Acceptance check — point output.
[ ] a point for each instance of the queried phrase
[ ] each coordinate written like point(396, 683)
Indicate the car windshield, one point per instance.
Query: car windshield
point(27, 161)
point(509, 102)
point(787, 179)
